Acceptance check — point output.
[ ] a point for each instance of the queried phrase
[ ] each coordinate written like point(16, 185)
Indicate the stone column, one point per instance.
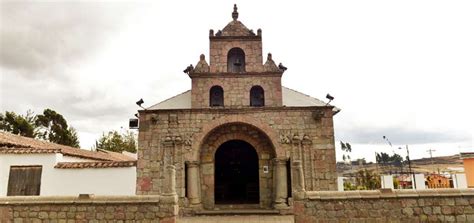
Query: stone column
point(281, 186)
point(193, 183)
point(299, 187)
point(170, 183)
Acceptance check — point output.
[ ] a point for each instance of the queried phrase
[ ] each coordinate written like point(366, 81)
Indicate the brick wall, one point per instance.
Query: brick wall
point(443, 205)
point(96, 209)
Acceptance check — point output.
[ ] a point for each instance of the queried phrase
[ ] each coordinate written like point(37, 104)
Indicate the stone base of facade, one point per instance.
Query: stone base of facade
point(94, 209)
point(436, 205)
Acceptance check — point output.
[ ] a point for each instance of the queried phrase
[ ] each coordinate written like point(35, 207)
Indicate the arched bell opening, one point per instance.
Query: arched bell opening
point(216, 96)
point(236, 60)
point(257, 96)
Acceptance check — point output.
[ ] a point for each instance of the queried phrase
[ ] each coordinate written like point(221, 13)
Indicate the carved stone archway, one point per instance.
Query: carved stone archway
point(271, 173)
point(199, 138)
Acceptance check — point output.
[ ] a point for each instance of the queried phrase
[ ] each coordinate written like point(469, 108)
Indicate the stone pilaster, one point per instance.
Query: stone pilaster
point(170, 183)
point(193, 183)
point(281, 187)
point(299, 188)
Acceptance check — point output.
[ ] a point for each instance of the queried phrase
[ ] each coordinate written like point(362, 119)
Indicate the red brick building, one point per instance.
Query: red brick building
point(238, 136)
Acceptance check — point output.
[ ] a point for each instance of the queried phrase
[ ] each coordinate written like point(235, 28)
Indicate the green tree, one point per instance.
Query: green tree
point(346, 150)
point(54, 128)
point(388, 161)
point(396, 160)
point(116, 142)
point(19, 124)
point(383, 158)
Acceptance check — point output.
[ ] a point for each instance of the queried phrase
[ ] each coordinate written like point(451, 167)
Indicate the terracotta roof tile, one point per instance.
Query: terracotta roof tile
point(105, 164)
point(15, 144)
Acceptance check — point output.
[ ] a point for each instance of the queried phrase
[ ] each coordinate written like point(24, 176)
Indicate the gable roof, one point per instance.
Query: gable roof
point(180, 101)
point(291, 98)
point(15, 144)
point(236, 28)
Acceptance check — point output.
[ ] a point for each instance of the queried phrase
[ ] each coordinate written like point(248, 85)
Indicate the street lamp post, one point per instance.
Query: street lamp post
point(408, 159)
point(409, 168)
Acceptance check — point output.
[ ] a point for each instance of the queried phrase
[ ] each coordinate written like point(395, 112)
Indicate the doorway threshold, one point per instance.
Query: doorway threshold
point(238, 212)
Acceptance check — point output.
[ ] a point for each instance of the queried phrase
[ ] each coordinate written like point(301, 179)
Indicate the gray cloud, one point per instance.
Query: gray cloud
point(398, 136)
point(41, 39)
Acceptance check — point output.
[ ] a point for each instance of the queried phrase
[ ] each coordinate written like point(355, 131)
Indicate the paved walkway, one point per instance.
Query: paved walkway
point(238, 219)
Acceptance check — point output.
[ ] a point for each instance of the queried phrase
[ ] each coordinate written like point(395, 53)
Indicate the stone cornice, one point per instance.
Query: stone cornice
point(235, 110)
point(238, 38)
point(377, 194)
point(23, 200)
point(236, 75)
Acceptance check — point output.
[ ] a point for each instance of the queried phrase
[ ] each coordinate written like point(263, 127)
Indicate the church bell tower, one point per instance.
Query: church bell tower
point(236, 75)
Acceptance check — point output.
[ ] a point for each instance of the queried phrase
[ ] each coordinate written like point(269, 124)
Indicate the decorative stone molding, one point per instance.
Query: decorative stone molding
point(202, 66)
point(294, 138)
point(270, 65)
point(171, 140)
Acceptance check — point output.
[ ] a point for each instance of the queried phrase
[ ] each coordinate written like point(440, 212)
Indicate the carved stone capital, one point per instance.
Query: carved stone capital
point(297, 163)
point(279, 161)
point(171, 140)
point(192, 164)
point(295, 138)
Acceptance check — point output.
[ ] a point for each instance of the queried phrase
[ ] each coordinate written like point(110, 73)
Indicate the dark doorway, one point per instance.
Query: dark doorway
point(236, 174)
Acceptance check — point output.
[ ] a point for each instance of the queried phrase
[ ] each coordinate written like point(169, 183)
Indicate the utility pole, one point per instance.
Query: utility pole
point(431, 157)
point(409, 167)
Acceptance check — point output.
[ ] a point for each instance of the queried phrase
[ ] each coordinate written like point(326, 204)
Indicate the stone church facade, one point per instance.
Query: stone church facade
point(238, 137)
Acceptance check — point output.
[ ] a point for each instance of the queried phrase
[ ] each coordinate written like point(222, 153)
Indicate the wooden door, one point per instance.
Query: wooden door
point(24, 180)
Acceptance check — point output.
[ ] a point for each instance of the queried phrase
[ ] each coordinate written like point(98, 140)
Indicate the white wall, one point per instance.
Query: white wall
point(72, 159)
point(99, 181)
point(386, 181)
point(6, 160)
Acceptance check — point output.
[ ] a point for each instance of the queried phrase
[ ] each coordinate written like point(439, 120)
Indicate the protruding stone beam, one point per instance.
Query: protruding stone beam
point(281, 186)
point(194, 196)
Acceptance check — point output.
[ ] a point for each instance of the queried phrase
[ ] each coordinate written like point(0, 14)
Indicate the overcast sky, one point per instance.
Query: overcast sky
point(402, 69)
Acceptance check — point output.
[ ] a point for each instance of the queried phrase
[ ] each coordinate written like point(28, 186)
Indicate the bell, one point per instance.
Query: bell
point(237, 62)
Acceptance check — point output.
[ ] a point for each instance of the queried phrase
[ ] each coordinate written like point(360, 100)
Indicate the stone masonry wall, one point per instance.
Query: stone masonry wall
point(236, 89)
point(220, 47)
point(176, 136)
point(441, 205)
point(98, 209)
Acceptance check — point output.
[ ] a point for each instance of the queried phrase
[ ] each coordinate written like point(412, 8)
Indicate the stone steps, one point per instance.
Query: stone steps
point(238, 212)
point(238, 219)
